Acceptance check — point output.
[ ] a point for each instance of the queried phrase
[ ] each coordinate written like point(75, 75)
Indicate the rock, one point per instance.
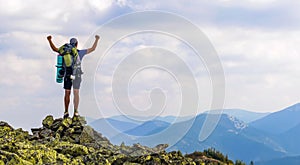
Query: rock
point(4, 124)
point(35, 136)
point(160, 147)
point(12, 159)
point(71, 141)
point(3, 159)
point(60, 130)
point(48, 121)
point(56, 124)
point(62, 159)
point(45, 132)
point(4, 130)
point(79, 121)
point(35, 130)
point(78, 129)
point(66, 122)
point(69, 131)
point(72, 149)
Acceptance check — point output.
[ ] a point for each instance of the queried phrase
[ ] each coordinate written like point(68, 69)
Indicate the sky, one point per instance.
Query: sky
point(256, 42)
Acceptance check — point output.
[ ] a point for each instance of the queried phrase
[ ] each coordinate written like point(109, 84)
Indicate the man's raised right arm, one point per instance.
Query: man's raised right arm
point(53, 47)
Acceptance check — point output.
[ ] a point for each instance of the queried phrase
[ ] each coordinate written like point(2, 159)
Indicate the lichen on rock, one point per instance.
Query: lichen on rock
point(71, 141)
point(48, 121)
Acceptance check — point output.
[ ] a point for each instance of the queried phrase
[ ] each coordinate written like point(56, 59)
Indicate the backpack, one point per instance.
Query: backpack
point(70, 62)
point(69, 54)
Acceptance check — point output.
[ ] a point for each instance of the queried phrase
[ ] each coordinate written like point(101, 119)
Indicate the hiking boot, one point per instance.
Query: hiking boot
point(76, 114)
point(66, 115)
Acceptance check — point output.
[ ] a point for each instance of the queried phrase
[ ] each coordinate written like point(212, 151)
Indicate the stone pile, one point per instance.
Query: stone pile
point(71, 141)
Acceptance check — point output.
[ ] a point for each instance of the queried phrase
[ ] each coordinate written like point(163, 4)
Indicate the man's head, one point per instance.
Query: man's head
point(73, 42)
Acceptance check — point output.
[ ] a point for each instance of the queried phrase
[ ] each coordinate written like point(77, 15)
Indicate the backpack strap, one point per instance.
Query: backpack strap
point(75, 56)
point(69, 53)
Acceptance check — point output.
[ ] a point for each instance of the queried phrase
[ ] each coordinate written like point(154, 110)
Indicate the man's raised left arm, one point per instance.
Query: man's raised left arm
point(89, 50)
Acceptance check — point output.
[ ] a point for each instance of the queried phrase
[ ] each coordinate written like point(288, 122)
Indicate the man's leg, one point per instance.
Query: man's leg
point(67, 87)
point(76, 87)
point(76, 101)
point(67, 100)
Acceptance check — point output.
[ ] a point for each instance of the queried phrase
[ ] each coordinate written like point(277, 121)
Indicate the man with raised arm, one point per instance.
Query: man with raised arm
point(69, 81)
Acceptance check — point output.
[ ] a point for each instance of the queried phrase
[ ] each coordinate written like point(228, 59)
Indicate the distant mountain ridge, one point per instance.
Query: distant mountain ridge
point(114, 125)
point(231, 136)
point(111, 127)
point(289, 160)
point(148, 128)
point(244, 115)
point(279, 122)
point(256, 137)
point(141, 119)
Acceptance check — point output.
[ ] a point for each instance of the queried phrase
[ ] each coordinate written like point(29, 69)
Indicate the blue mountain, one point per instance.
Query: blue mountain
point(140, 119)
point(231, 136)
point(173, 119)
point(289, 160)
point(89, 119)
point(132, 125)
point(279, 122)
point(111, 127)
point(244, 115)
point(148, 128)
point(271, 136)
point(130, 119)
point(290, 140)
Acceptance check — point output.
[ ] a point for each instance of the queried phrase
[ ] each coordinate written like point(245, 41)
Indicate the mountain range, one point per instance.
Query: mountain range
point(244, 135)
point(244, 115)
point(279, 122)
point(290, 160)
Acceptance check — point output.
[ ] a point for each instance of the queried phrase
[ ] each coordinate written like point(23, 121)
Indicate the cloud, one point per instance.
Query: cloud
point(21, 72)
point(65, 18)
point(257, 42)
point(145, 79)
point(262, 49)
point(269, 14)
point(260, 66)
point(248, 54)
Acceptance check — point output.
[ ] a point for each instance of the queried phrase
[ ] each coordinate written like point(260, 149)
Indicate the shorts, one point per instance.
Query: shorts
point(68, 82)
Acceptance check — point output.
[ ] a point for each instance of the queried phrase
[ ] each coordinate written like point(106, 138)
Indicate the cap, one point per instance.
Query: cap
point(73, 41)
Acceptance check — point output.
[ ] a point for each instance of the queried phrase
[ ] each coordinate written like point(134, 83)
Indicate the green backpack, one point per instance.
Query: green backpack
point(69, 53)
point(70, 63)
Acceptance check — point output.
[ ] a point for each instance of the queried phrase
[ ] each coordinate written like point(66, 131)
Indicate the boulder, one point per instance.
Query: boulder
point(48, 121)
point(71, 141)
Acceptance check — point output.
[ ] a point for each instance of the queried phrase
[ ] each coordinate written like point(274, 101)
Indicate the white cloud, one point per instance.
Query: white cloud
point(242, 46)
point(260, 66)
point(100, 4)
point(250, 3)
point(258, 43)
point(11, 7)
point(21, 72)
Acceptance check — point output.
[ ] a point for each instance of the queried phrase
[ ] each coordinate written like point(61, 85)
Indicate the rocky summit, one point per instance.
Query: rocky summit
point(71, 141)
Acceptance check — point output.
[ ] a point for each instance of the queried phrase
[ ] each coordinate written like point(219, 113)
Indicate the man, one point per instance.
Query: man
point(68, 82)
